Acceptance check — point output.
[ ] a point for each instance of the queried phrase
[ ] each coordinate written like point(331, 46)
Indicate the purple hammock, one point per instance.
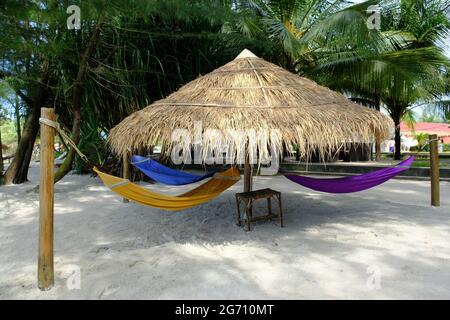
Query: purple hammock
point(353, 183)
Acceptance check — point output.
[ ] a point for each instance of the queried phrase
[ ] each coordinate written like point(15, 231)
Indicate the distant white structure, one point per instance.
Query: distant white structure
point(406, 144)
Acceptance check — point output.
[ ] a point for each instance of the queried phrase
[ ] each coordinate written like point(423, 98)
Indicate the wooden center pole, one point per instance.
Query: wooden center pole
point(141, 152)
point(434, 170)
point(46, 200)
point(248, 177)
point(248, 185)
point(126, 170)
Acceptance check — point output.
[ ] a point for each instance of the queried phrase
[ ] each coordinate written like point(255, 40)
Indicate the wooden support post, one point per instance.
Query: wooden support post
point(248, 177)
point(434, 170)
point(46, 199)
point(238, 203)
point(377, 145)
point(126, 170)
point(248, 186)
point(141, 152)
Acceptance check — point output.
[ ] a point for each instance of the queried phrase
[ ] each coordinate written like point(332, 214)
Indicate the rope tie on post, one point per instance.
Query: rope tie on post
point(56, 125)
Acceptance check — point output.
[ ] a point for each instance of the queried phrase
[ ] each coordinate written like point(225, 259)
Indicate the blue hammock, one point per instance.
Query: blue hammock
point(160, 173)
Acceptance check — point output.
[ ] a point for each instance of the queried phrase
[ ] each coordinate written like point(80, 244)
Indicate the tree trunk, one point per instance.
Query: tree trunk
point(77, 98)
point(17, 114)
point(66, 166)
point(398, 142)
point(377, 134)
point(18, 169)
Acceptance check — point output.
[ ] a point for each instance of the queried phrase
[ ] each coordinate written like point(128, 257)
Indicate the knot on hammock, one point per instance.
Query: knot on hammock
point(64, 136)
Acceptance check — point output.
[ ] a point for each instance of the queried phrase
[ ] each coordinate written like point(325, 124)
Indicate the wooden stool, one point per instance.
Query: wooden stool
point(249, 197)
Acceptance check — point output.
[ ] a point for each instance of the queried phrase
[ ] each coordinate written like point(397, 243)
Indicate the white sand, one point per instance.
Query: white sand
point(135, 252)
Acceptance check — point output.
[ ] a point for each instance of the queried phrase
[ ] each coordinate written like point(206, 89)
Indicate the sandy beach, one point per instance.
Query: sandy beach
point(384, 243)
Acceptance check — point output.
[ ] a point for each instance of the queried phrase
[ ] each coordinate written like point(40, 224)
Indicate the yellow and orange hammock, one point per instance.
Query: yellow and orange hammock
point(205, 192)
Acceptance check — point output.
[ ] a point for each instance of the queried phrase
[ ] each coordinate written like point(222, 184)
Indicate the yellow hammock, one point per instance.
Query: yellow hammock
point(205, 192)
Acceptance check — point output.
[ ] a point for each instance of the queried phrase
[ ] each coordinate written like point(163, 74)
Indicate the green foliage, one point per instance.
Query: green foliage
point(422, 140)
point(146, 50)
point(421, 164)
point(330, 42)
point(9, 135)
point(92, 142)
point(426, 21)
point(307, 33)
point(409, 118)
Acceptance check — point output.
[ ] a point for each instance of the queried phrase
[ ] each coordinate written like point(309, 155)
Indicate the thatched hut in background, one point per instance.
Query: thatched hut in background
point(251, 93)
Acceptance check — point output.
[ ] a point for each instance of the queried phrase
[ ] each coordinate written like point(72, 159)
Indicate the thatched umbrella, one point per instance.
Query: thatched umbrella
point(251, 93)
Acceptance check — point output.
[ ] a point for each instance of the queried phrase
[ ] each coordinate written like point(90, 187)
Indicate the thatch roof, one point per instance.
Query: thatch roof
point(251, 93)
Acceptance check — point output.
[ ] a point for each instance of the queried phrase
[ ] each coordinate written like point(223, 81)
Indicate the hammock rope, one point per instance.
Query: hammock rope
point(68, 140)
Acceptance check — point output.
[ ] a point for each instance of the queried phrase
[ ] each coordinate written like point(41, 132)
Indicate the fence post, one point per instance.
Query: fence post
point(46, 200)
point(434, 170)
point(125, 170)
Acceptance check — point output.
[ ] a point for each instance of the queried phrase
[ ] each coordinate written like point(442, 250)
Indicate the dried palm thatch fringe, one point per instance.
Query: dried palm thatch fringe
point(251, 93)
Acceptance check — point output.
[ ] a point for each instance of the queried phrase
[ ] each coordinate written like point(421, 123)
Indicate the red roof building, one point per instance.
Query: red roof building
point(441, 129)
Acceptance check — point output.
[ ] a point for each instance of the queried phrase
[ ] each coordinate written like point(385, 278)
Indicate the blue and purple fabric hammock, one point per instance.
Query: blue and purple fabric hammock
point(160, 173)
point(353, 183)
point(165, 175)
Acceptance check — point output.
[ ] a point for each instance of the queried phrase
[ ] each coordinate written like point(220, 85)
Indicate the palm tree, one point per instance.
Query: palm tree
point(331, 43)
point(426, 24)
point(406, 70)
point(304, 30)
